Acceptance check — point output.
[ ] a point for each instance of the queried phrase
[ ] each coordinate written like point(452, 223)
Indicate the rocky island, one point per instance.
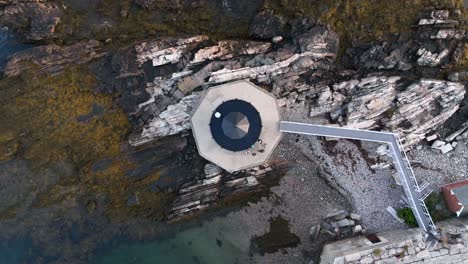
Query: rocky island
point(98, 163)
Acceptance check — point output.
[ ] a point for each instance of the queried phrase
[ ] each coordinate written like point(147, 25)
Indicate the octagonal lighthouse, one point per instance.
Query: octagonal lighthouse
point(236, 125)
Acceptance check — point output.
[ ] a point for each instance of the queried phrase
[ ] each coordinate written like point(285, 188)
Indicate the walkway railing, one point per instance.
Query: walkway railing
point(420, 190)
point(410, 185)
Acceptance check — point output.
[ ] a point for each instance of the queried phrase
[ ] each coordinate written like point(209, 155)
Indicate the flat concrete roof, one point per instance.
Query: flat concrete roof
point(270, 134)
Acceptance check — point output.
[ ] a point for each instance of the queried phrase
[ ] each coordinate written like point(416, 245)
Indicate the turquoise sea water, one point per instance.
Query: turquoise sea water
point(215, 241)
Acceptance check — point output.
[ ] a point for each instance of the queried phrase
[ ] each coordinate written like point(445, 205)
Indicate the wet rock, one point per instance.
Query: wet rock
point(279, 236)
point(266, 25)
point(196, 196)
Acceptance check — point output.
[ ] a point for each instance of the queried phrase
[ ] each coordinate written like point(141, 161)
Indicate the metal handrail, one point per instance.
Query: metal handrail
point(407, 163)
point(413, 177)
point(428, 215)
point(426, 195)
point(402, 164)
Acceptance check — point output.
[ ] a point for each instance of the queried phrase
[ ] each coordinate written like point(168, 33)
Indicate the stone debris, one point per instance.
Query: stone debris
point(342, 224)
point(355, 217)
point(431, 137)
point(133, 200)
point(277, 39)
point(446, 148)
point(460, 131)
point(383, 150)
point(438, 144)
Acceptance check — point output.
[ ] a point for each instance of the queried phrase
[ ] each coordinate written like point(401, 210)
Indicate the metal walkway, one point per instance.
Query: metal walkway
point(414, 192)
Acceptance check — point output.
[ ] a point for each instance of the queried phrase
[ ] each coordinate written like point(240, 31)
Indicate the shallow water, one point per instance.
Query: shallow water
point(214, 241)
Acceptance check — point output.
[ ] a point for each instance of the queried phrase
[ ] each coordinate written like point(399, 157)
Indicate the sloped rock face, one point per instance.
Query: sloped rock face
point(423, 106)
point(222, 62)
point(382, 103)
point(40, 17)
point(175, 119)
point(301, 74)
point(217, 185)
point(53, 58)
point(369, 99)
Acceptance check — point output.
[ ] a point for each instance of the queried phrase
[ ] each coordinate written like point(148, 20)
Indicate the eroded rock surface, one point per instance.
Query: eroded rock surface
point(38, 17)
point(53, 58)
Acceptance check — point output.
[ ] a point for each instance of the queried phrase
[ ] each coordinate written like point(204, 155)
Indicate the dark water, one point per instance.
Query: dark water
point(9, 44)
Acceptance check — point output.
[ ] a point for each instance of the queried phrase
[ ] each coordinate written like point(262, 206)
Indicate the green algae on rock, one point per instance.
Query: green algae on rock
point(42, 112)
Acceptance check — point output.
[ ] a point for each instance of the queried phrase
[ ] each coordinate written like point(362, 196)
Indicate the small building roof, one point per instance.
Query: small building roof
point(236, 125)
point(456, 196)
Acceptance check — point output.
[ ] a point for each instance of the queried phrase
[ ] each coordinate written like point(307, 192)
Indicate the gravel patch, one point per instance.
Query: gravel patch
point(437, 169)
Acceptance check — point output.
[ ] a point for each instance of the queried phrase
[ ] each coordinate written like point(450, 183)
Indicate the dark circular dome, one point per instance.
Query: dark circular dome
point(235, 125)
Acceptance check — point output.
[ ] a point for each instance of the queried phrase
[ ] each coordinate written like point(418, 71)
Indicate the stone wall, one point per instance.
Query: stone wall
point(403, 246)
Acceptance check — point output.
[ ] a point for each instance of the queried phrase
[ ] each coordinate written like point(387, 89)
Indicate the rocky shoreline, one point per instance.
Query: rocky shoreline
point(119, 114)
